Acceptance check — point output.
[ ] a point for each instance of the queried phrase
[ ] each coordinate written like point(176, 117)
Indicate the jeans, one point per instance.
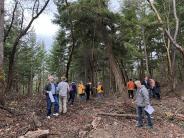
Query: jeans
point(99, 95)
point(82, 96)
point(49, 104)
point(72, 97)
point(63, 104)
point(140, 111)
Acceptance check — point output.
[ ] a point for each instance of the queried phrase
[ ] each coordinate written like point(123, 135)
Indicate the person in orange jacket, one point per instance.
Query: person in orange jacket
point(130, 87)
point(81, 90)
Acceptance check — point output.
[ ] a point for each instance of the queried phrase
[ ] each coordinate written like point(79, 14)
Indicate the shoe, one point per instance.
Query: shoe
point(139, 125)
point(149, 127)
point(55, 114)
point(48, 117)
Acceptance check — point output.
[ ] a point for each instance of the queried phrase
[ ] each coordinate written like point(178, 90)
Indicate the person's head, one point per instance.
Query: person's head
point(146, 78)
point(138, 84)
point(51, 79)
point(63, 78)
point(130, 79)
point(99, 83)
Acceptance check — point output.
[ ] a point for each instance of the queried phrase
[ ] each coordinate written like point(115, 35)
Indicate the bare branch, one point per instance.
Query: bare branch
point(6, 34)
point(176, 18)
point(179, 47)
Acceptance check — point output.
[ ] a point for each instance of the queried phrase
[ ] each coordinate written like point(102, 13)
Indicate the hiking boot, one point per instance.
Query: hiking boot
point(149, 127)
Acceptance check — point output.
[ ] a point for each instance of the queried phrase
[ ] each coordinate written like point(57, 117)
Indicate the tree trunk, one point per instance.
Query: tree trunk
point(174, 49)
point(145, 51)
point(116, 70)
point(73, 44)
point(2, 101)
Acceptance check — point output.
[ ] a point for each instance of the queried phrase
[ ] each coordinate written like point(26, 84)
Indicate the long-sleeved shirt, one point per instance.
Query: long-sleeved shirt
point(142, 97)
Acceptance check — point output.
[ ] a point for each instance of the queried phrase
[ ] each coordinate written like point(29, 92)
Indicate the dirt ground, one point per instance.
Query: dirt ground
point(82, 119)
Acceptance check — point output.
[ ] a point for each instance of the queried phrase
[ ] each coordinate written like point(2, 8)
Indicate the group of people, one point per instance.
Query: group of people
point(144, 91)
point(57, 94)
point(151, 85)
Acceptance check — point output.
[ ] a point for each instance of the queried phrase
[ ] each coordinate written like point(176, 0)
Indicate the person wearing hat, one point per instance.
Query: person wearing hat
point(51, 97)
point(63, 88)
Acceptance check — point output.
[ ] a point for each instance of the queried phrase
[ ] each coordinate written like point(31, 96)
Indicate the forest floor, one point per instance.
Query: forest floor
point(82, 120)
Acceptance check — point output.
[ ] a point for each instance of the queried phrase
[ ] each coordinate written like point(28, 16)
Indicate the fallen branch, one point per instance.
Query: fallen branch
point(7, 109)
point(35, 134)
point(170, 115)
point(118, 115)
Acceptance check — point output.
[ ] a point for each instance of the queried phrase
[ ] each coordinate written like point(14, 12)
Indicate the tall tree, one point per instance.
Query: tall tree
point(1, 52)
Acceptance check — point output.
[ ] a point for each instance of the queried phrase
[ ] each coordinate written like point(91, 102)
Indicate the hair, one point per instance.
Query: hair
point(137, 82)
point(130, 79)
point(63, 78)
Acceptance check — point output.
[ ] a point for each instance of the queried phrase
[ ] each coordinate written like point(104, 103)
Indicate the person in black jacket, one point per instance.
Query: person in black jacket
point(146, 82)
point(88, 90)
point(51, 97)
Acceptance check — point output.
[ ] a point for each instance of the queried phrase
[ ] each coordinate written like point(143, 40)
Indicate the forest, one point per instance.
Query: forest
point(94, 43)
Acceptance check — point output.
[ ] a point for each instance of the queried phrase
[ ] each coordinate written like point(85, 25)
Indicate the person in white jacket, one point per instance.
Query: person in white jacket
point(63, 88)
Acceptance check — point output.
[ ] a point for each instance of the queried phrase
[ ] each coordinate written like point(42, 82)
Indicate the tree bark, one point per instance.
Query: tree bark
point(145, 51)
point(2, 101)
point(73, 44)
point(116, 70)
point(174, 49)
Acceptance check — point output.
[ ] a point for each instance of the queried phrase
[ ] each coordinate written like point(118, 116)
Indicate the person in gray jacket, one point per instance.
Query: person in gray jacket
point(142, 101)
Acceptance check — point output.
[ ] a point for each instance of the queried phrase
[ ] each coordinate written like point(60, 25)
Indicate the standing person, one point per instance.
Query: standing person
point(99, 90)
point(131, 87)
point(73, 91)
point(146, 83)
point(142, 101)
point(51, 97)
point(88, 90)
point(155, 89)
point(81, 90)
point(63, 88)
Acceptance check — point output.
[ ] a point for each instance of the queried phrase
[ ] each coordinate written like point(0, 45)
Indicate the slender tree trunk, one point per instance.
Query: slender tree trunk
point(174, 49)
point(145, 51)
point(2, 100)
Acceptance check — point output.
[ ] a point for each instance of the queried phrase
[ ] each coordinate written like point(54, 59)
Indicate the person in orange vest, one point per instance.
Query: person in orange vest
point(81, 90)
point(100, 90)
point(131, 87)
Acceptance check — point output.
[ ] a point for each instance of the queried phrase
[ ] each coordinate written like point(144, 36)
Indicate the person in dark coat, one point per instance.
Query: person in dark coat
point(73, 92)
point(88, 90)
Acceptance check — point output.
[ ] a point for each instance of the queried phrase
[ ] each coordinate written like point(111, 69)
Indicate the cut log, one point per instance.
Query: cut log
point(35, 134)
point(118, 115)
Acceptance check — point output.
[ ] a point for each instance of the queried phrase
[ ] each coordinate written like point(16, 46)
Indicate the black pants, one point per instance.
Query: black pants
point(156, 93)
point(87, 95)
point(131, 94)
point(72, 97)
